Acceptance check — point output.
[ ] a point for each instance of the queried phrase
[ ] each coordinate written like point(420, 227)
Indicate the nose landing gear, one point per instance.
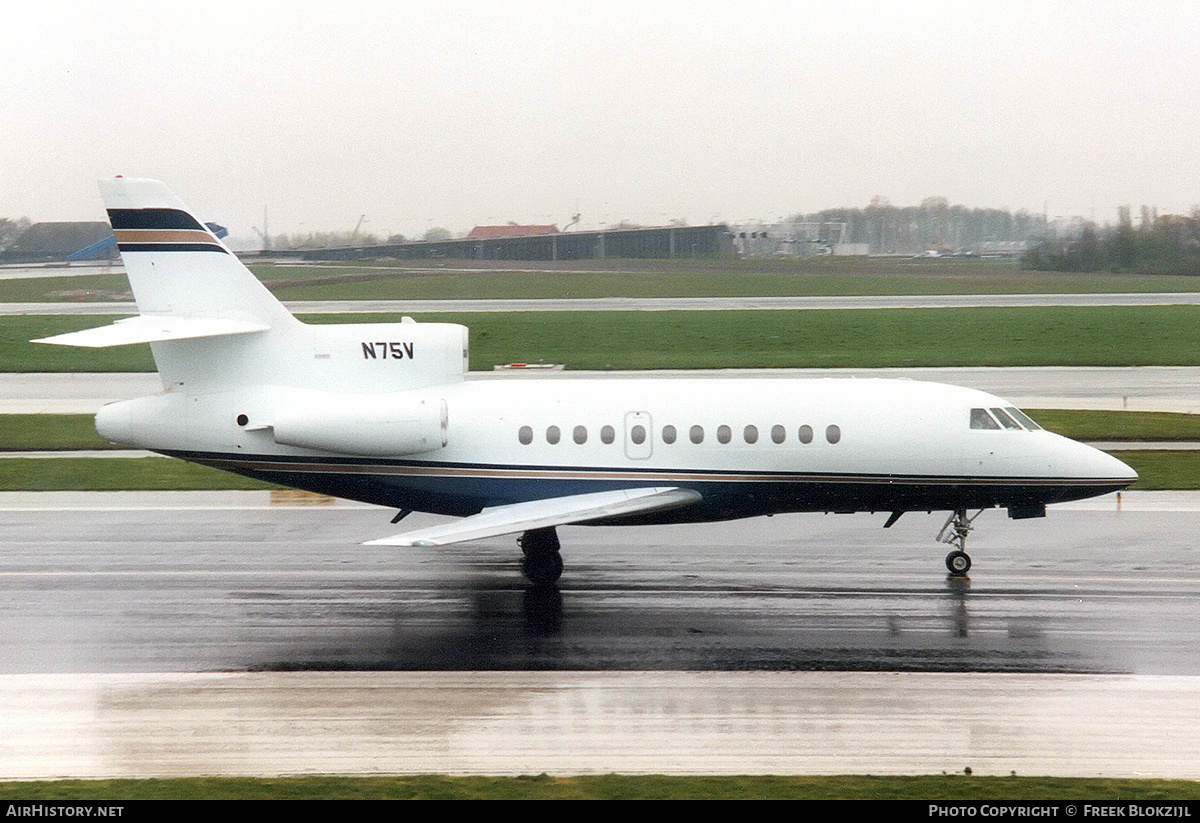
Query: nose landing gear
point(954, 533)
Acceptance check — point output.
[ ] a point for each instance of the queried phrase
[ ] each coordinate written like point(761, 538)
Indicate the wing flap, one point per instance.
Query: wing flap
point(153, 329)
point(537, 514)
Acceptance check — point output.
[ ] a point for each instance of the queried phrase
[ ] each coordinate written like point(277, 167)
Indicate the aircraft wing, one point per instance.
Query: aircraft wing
point(151, 329)
point(537, 514)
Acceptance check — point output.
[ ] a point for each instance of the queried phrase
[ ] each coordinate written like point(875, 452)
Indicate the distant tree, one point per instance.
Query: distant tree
point(1167, 244)
point(1122, 250)
point(10, 230)
point(1087, 253)
point(437, 234)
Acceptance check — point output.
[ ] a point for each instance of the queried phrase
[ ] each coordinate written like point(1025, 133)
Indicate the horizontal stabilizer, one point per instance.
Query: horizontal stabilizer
point(537, 514)
point(153, 329)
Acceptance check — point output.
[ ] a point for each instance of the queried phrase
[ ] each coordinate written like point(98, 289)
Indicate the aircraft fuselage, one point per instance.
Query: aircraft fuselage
point(750, 446)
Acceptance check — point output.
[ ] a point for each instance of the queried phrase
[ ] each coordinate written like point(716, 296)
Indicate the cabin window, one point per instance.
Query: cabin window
point(750, 434)
point(1006, 421)
point(696, 434)
point(607, 435)
point(553, 435)
point(980, 419)
point(1024, 418)
point(525, 435)
point(638, 434)
point(833, 434)
point(580, 435)
point(724, 434)
point(668, 434)
point(778, 434)
point(806, 434)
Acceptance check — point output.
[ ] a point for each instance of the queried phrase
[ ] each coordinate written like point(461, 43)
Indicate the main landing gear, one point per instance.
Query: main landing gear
point(954, 533)
point(542, 565)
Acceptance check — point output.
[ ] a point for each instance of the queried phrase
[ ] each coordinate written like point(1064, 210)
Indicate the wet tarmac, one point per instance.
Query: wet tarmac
point(178, 582)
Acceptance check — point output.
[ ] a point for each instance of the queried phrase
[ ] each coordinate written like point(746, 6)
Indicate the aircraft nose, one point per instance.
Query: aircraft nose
point(1101, 465)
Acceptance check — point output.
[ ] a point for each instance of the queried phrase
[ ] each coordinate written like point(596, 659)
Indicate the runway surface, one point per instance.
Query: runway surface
point(153, 582)
point(233, 633)
point(921, 301)
point(223, 633)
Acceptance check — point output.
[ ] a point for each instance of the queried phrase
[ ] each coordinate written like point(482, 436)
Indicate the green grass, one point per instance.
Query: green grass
point(1054, 336)
point(50, 432)
point(84, 288)
point(1058, 336)
point(610, 787)
point(431, 280)
point(116, 474)
point(733, 281)
point(1163, 470)
point(1092, 424)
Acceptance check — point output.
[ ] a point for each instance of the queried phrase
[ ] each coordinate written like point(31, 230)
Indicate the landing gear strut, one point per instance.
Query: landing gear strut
point(542, 564)
point(954, 533)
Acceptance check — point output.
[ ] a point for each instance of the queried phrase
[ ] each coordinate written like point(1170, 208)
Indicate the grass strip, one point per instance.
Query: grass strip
point(456, 279)
point(1163, 470)
point(1050, 336)
point(116, 474)
point(748, 278)
point(1047, 336)
point(611, 787)
point(50, 432)
point(1091, 424)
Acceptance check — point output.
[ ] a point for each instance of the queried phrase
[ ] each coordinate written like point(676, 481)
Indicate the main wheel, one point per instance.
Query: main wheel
point(539, 541)
point(543, 568)
point(959, 563)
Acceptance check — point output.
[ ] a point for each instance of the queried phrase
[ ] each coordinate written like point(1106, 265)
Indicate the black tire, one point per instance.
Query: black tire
point(542, 569)
point(959, 563)
point(539, 541)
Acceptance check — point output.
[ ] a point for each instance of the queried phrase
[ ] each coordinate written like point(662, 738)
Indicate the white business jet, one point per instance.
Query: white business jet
point(382, 413)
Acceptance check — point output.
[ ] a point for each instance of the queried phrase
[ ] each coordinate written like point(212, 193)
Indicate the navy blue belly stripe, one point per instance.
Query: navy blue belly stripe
point(402, 468)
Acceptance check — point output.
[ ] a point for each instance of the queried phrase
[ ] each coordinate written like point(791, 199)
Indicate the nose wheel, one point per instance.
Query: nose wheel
point(959, 563)
point(954, 533)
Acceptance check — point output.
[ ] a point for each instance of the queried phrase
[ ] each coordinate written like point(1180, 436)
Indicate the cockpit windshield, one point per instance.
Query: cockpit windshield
point(1008, 417)
point(980, 419)
point(1024, 418)
point(1005, 421)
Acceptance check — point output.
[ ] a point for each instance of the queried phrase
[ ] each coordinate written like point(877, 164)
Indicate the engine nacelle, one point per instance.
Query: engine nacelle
point(373, 425)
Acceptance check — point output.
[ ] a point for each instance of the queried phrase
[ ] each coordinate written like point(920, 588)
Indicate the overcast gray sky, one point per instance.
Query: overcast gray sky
point(455, 114)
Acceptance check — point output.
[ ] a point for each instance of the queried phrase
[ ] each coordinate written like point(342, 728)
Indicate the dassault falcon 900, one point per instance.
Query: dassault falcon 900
point(382, 413)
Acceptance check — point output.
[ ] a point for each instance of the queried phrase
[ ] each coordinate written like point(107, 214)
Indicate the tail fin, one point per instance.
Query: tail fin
point(175, 264)
point(213, 327)
point(199, 305)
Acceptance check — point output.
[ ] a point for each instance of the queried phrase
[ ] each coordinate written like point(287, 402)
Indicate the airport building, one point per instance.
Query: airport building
point(546, 243)
point(79, 241)
point(55, 242)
